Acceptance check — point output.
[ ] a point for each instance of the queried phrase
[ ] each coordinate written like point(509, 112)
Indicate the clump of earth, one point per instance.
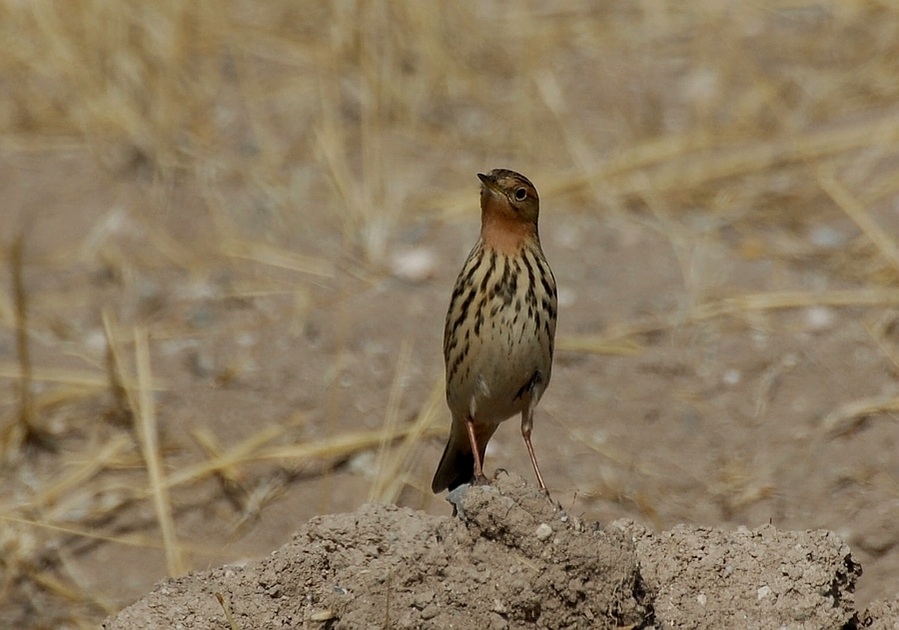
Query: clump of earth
point(511, 557)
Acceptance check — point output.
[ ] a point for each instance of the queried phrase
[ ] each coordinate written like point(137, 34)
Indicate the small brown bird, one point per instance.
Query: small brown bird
point(498, 339)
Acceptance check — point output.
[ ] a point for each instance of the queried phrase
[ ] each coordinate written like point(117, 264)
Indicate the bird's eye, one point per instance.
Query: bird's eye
point(521, 194)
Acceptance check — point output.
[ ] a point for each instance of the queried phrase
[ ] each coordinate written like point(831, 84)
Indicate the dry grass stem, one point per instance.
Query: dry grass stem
point(747, 157)
point(228, 476)
point(393, 477)
point(25, 429)
point(80, 379)
point(246, 451)
point(121, 411)
point(855, 210)
point(618, 339)
point(342, 445)
point(847, 417)
point(391, 419)
point(615, 343)
point(143, 541)
point(142, 401)
point(226, 607)
point(54, 495)
point(794, 299)
point(163, 243)
point(275, 257)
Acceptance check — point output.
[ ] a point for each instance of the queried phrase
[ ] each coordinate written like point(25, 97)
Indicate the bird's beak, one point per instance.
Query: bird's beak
point(488, 181)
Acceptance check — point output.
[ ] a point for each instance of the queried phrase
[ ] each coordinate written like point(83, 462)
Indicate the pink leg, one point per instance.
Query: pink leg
point(479, 478)
point(527, 423)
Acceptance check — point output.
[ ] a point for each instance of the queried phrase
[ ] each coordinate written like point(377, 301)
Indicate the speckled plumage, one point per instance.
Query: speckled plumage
point(500, 326)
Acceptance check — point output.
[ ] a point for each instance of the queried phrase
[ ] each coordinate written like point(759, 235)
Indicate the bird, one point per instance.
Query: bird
point(500, 330)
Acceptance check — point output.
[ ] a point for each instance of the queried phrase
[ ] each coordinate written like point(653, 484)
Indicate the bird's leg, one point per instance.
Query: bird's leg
point(479, 478)
point(527, 423)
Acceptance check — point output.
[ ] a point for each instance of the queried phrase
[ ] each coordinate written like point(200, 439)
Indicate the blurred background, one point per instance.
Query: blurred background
point(229, 232)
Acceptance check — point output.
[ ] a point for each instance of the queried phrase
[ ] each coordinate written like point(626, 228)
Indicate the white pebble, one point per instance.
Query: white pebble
point(544, 531)
point(826, 237)
point(95, 340)
point(732, 376)
point(819, 318)
point(414, 265)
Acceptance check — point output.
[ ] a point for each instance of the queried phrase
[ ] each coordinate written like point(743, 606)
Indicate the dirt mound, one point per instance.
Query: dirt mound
point(511, 558)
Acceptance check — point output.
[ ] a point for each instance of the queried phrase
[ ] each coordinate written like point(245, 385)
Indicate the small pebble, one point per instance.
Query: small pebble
point(820, 318)
point(414, 265)
point(732, 376)
point(544, 531)
point(363, 463)
point(95, 340)
point(826, 237)
point(324, 615)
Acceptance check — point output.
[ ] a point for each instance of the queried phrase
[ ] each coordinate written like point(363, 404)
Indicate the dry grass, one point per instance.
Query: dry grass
point(357, 118)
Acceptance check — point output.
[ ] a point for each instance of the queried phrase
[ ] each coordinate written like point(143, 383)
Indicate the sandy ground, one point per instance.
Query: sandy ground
point(712, 423)
point(237, 248)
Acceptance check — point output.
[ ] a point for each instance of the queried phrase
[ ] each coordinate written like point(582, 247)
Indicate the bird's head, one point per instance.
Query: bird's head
point(511, 194)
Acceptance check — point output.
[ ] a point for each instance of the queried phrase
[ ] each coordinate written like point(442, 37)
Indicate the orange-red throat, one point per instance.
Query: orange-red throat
point(504, 227)
point(506, 233)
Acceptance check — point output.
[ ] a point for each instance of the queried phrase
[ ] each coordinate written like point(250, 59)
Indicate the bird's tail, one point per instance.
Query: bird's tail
point(456, 466)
